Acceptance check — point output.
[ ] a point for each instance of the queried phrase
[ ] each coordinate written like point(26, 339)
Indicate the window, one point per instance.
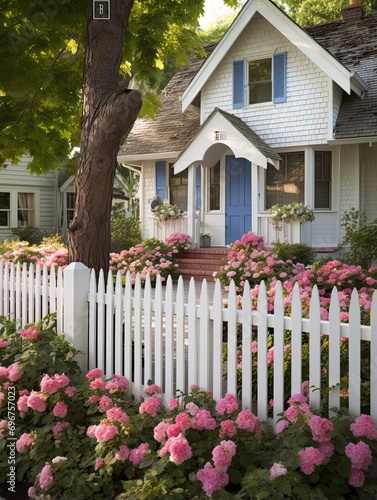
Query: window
point(71, 199)
point(287, 184)
point(25, 209)
point(260, 81)
point(4, 209)
point(264, 78)
point(178, 185)
point(322, 184)
point(214, 187)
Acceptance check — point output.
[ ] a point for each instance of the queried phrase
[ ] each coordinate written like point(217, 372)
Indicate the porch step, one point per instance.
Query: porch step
point(200, 263)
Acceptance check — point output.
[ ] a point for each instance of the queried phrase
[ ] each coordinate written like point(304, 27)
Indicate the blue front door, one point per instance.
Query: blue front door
point(238, 198)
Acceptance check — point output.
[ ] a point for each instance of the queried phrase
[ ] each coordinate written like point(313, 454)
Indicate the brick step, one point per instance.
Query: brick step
point(200, 263)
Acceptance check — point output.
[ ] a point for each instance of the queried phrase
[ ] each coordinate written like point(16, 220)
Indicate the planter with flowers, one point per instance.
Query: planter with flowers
point(168, 218)
point(287, 219)
point(205, 240)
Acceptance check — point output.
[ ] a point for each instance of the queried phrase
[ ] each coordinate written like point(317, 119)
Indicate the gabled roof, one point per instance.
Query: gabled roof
point(234, 134)
point(296, 35)
point(171, 130)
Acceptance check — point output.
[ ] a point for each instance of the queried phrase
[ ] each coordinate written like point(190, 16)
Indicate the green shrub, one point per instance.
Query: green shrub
point(33, 235)
point(296, 252)
point(359, 245)
point(125, 231)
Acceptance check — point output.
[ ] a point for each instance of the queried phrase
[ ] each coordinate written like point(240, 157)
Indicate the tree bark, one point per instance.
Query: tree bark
point(109, 111)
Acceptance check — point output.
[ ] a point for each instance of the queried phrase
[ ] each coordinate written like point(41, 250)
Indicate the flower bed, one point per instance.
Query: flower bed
point(80, 436)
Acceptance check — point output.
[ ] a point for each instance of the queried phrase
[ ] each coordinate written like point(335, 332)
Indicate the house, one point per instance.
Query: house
point(274, 113)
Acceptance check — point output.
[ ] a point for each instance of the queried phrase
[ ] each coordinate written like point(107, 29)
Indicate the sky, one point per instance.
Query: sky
point(213, 9)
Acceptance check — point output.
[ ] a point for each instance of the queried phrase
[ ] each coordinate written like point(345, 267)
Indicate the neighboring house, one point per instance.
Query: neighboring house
point(46, 201)
point(27, 199)
point(275, 114)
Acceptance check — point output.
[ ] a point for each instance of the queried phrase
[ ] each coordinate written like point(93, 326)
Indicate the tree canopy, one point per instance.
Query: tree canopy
point(42, 47)
point(310, 12)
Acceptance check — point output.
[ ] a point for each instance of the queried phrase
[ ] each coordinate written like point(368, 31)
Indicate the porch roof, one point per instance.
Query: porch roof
point(222, 131)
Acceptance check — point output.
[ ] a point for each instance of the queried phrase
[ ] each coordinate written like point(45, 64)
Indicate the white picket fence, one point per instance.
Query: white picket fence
point(172, 334)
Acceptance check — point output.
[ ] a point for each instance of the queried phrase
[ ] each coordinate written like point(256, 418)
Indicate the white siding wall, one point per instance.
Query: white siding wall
point(368, 161)
point(149, 191)
point(349, 180)
point(17, 177)
point(306, 109)
point(337, 101)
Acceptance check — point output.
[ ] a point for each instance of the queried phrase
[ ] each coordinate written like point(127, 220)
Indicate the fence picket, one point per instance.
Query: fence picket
point(217, 341)
point(334, 349)
point(262, 403)
point(315, 350)
point(205, 365)
point(247, 365)
point(18, 298)
point(60, 301)
point(127, 353)
point(169, 340)
point(25, 278)
point(12, 292)
point(2, 285)
point(354, 355)
point(138, 341)
point(109, 326)
point(373, 357)
point(92, 334)
point(6, 290)
point(192, 327)
point(47, 290)
point(148, 346)
point(101, 318)
point(278, 394)
point(232, 340)
point(296, 341)
point(180, 337)
point(158, 361)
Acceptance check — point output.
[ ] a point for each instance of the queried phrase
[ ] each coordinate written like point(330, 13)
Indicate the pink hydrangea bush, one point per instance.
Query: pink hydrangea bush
point(48, 253)
point(178, 241)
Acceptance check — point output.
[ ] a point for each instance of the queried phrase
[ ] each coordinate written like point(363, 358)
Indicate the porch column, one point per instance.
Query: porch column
point(191, 206)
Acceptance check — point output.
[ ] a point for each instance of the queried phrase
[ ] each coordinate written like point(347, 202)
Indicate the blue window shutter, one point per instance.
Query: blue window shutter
point(279, 76)
point(198, 182)
point(161, 179)
point(238, 84)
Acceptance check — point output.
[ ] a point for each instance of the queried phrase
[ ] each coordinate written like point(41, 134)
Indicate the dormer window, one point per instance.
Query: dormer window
point(264, 80)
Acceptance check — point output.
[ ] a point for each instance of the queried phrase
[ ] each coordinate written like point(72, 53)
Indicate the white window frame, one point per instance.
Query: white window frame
point(13, 215)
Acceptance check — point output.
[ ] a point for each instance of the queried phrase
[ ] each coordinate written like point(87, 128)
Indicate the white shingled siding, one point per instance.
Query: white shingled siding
point(303, 118)
point(368, 161)
point(349, 180)
point(17, 178)
point(337, 101)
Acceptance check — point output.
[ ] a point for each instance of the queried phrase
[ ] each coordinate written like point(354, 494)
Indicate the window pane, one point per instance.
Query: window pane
point(214, 187)
point(286, 185)
point(260, 81)
point(4, 218)
point(26, 212)
point(4, 201)
point(178, 188)
point(322, 189)
point(71, 198)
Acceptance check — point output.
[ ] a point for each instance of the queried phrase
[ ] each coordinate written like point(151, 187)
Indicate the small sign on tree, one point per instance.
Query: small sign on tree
point(101, 9)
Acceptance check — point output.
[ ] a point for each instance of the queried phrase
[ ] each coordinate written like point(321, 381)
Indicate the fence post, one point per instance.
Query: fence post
point(75, 316)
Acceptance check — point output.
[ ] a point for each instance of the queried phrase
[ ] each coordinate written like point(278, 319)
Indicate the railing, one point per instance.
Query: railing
point(165, 229)
point(174, 334)
point(290, 231)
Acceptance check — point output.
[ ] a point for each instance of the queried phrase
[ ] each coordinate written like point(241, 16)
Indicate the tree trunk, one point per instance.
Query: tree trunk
point(109, 112)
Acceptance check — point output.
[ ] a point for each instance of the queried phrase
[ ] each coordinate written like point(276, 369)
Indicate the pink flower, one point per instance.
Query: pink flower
point(310, 457)
point(357, 478)
point(203, 421)
point(31, 492)
point(105, 432)
point(222, 455)
point(321, 428)
point(31, 333)
point(359, 454)
point(51, 385)
point(137, 454)
point(56, 460)
point(249, 422)
point(60, 409)
point(3, 343)
point(183, 421)
point(280, 426)
point(227, 429)
point(123, 453)
point(192, 408)
point(14, 372)
point(160, 431)
point(105, 404)
point(277, 470)
point(118, 414)
point(364, 427)
point(151, 405)
point(37, 401)
point(46, 479)
point(22, 404)
point(70, 391)
point(24, 442)
point(58, 428)
point(173, 403)
point(212, 479)
point(152, 389)
point(179, 449)
point(227, 404)
point(90, 431)
point(327, 449)
point(97, 383)
point(95, 373)
point(99, 463)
